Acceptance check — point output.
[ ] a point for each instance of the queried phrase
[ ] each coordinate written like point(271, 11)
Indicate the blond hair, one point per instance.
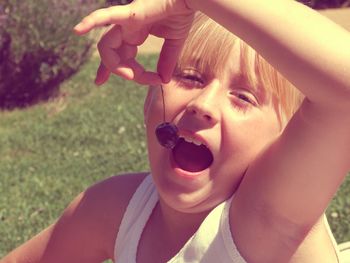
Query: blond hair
point(208, 48)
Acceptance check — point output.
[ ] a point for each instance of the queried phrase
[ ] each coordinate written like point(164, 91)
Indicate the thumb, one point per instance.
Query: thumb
point(168, 57)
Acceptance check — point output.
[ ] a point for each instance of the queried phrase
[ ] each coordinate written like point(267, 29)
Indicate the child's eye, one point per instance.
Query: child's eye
point(194, 78)
point(244, 97)
point(191, 78)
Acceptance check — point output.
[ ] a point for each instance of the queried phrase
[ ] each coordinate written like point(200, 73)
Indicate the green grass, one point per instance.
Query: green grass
point(51, 152)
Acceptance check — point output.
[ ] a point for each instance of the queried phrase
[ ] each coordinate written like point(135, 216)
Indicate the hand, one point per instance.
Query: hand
point(131, 25)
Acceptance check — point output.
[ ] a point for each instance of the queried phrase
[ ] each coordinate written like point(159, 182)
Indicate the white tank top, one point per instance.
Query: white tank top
point(211, 243)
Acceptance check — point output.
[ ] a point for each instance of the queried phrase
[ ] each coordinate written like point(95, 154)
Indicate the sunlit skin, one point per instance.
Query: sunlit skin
point(282, 176)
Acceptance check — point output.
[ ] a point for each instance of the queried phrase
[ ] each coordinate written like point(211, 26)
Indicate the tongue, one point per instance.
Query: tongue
point(191, 157)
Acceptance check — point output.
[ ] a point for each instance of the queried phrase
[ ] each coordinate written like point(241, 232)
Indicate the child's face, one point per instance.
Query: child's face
point(233, 121)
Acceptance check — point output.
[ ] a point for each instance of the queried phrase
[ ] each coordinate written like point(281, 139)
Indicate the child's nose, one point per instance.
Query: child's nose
point(205, 105)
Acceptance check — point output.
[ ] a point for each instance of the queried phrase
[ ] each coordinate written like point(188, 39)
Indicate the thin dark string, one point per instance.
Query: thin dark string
point(161, 88)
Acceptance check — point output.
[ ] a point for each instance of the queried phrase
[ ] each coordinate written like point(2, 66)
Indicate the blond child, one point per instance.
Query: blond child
point(256, 162)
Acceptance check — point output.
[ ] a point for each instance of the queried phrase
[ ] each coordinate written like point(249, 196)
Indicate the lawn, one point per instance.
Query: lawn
point(51, 152)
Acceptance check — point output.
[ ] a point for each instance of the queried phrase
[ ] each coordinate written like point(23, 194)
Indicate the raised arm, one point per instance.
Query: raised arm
point(311, 51)
point(287, 189)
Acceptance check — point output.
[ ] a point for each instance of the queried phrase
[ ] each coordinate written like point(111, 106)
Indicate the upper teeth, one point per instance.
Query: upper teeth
point(192, 140)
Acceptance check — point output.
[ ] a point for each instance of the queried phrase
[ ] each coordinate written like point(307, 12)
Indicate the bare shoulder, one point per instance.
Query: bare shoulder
point(87, 229)
point(112, 194)
point(105, 203)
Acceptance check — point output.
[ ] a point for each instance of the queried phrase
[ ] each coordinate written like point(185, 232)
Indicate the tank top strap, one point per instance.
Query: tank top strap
point(134, 220)
point(331, 236)
point(213, 240)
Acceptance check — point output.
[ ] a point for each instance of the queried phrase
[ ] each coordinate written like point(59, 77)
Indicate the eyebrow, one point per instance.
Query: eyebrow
point(203, 66)
point(242, 78)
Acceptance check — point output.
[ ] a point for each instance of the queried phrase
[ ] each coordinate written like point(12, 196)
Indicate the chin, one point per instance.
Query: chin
point(188, 195)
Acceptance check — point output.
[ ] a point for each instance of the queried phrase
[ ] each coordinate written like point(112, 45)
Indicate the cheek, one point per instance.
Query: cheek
point(153, 109)
point(246, 137)
point(176, 100)
point(147, 102)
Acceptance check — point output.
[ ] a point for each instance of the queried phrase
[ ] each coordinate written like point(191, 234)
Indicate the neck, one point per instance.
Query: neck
point(177, 227)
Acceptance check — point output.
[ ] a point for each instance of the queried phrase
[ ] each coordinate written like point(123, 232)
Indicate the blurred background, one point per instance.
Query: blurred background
point(59, 133)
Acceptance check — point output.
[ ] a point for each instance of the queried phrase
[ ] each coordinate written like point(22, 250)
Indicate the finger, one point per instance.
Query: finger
point(125, 53)
point(135, 36)
point(111, 15)
point(102, 75)
point(168, 57)
point(132, 70)
point(108, 47)
point(142, 76)
point(124, 71)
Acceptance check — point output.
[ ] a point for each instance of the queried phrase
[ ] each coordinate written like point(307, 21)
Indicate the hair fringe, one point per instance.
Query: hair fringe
point(208, 49)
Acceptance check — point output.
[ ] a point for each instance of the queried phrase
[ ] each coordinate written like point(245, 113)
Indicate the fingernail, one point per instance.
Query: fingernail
point(98, 82)
point(78, 27)
point(165, 80)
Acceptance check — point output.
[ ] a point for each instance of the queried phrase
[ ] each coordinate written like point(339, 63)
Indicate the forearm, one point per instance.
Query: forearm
point(308, 49)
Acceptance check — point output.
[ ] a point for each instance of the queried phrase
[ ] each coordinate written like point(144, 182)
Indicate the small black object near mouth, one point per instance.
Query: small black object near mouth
point(167, 134)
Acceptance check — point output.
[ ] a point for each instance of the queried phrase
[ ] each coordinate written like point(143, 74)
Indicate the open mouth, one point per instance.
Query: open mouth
point(191, 155)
